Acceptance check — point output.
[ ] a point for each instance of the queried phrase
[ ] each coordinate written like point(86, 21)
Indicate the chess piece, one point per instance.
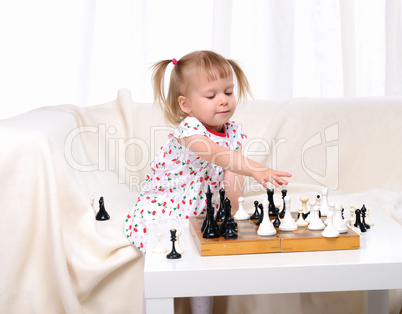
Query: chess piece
point(178, 246)
point(228, 221)
point(230, 229)
point(358, 223)
point(339, 224)
point(324, 205)
point(301, 223)
point(261, 208)
point(102, 213)
point(352, 215)
point(256, 214)
point(211, 230)
point(330, 231)
point(331, 209)
point(316, 222)
point(288, 223)
point(277, 221)
point(266, 227)
point(241, 214)
point(368, 220)
point(173, 254)
point(311, 212)
point(221, 211)
point(271, 205)
point(282, 213)
point(158, 249)
point(304, 200)
point(363, 214)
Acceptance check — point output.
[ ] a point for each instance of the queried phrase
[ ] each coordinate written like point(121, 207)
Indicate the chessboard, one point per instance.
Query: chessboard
point(249, 242)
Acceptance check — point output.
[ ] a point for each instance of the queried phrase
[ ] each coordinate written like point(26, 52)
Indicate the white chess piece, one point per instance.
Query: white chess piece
point(177, 244)
point(266, 227)
point(330, 231)
point(339, 224)
point(368, 220)
point(311, 215)
point(352, 215)
point(301, 223)
point(316, 222)
point(324, 205)
point(331, 209)
point(241, 214)
point(287, 223)
point(304, 200)
point(158, 249)
point(92, 202)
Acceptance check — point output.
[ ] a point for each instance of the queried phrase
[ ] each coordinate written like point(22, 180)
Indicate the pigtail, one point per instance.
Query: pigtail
point(243, 84)
point(158, 81)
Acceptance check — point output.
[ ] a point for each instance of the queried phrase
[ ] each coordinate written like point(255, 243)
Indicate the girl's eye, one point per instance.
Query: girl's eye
point(229, 93)
point(211, 97)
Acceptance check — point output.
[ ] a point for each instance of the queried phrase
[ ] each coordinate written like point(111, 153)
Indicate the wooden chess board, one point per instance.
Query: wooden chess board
point(249, 242)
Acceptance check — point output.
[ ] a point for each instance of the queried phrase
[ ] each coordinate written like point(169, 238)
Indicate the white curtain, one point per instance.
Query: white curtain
point(82, 51)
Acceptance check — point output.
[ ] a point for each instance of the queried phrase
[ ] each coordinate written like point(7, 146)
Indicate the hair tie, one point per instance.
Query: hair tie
point(174, 61)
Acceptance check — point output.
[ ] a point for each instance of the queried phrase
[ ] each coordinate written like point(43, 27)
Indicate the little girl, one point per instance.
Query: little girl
point(203, 150)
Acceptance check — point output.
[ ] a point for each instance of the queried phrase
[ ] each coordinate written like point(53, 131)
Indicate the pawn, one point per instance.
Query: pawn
point(178, 246)
point(266, 227)
point(304, 200)
point(288, 224)
point(301, 223)
point(330, 231)
point(316, 222)
point(102, 213)
point(173, 254)
point(324, 205)
point(158, 249)
point(352, 215)
point(256, 214)
point(277, 222)
point(241, 214)
point(339, 224)
point(368, 220)
point(230, 229)
point(311, 213)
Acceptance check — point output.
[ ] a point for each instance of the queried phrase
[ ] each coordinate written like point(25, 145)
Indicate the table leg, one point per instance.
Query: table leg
point(377, 301)
point(157, 306)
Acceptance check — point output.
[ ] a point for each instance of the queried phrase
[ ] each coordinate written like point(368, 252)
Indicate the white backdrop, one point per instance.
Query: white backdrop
point(82, 51)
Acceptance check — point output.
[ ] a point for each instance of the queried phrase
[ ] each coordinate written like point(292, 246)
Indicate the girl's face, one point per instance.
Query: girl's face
point(212, 102)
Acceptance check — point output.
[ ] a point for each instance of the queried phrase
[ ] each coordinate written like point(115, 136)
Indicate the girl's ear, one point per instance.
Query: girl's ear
point(184, 106)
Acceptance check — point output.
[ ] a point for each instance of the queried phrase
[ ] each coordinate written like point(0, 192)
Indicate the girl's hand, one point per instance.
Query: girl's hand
point(272, 176)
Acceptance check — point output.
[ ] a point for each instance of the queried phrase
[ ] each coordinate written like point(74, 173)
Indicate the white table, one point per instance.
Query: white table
point(375, 267)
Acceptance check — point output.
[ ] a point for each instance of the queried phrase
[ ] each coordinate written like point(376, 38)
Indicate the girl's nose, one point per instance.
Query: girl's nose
point(223, 100)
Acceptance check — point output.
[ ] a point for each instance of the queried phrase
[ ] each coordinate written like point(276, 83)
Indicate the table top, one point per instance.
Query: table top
point(376, 265)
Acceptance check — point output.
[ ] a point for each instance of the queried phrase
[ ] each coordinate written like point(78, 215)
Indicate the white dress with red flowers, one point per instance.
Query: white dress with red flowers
point(177, 179)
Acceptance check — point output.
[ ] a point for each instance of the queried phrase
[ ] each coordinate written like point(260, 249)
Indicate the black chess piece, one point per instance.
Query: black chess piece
point(363, 216)
point(173, 254)
point(230, 229)
point(102, 213)
point(211, 229)
point(271, 205)
point(277, 221)
point(261, 207)
point(256, 214)
point(358, 223)
point(282, 213)
point(318, 203)
point(221, 211)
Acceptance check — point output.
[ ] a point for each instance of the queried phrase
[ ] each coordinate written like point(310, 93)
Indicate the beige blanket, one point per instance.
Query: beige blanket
point(55, 161)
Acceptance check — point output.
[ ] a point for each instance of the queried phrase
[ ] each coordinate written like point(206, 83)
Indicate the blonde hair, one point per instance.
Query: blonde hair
point(213, 64)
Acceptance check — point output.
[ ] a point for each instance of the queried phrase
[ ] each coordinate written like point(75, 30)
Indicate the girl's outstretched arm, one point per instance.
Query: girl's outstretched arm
point(233, 160)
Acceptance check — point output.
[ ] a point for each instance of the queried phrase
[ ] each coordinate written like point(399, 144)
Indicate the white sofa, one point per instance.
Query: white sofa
point(56, 161)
